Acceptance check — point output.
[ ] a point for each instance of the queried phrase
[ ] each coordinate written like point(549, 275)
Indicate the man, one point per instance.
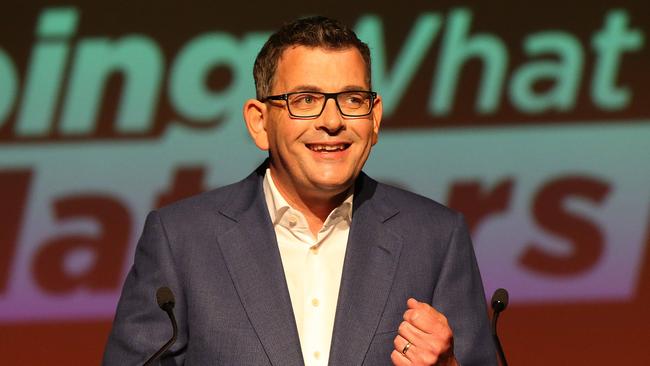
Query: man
point(308, 260)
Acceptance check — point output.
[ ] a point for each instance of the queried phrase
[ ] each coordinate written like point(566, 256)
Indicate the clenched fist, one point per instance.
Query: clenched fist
point(424, 338)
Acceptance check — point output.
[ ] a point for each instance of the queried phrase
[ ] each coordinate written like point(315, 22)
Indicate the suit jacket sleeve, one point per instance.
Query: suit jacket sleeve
point(459, 279)
point(140, 327)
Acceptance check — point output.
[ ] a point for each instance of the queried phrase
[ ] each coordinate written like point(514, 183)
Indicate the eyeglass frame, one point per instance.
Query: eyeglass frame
point(328, 96)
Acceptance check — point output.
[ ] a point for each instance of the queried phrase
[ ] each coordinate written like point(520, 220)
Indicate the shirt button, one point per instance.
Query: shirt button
point(293, 220)
point(313, 250)
point(315, 302)
point(317, 355)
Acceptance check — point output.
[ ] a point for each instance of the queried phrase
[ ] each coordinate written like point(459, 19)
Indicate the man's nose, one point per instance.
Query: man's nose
point(330, 120)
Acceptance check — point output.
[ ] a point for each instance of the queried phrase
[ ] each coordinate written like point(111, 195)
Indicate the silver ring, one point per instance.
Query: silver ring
point(406, 347)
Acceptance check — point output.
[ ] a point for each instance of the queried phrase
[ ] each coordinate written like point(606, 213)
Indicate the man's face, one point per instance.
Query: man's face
point(299, 161)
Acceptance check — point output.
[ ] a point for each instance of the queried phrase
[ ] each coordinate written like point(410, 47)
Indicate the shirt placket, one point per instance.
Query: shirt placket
point(316, 354)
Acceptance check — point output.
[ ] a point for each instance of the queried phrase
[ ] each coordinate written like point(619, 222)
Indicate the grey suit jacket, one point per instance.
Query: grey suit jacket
point(218, 253)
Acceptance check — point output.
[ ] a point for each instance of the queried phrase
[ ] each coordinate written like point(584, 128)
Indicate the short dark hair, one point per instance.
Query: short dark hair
point(316, 31)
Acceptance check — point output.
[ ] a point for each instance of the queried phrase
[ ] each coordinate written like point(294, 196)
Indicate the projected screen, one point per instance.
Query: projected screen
point(531, 119)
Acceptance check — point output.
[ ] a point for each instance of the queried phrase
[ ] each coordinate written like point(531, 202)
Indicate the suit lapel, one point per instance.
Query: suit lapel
point(370, 264)
point(251, 254)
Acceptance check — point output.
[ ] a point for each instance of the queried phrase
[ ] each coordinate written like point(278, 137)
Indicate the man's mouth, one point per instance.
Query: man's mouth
point(327, 148)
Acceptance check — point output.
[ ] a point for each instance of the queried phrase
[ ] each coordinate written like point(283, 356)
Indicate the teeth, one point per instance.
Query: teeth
point(327, 147)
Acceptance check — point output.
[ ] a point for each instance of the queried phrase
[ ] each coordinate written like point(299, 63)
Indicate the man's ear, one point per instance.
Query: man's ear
point(377, 111)
point(255, 115)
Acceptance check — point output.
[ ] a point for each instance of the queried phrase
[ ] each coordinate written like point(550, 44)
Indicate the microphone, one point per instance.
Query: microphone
point(499, 304)
point(165, 299)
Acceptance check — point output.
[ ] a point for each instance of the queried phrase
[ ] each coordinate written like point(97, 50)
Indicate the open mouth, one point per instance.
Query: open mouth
point(327, 148)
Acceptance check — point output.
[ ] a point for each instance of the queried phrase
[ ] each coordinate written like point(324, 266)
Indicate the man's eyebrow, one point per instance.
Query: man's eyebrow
point(305, 87)
point(355, 88)
point(308, 87)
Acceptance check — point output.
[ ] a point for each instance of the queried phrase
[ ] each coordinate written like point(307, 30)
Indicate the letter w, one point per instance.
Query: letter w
point(392, 84)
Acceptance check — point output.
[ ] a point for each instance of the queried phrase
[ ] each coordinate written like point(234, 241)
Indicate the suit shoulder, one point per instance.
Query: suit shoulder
point(410, 203)
point(206, 201)
point(203, 207)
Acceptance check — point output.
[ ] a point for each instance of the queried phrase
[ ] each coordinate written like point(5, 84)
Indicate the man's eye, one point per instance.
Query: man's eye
point(304, 100)
point(354, 99)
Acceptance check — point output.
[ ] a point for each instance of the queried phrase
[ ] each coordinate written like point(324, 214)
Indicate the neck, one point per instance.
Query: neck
point(314, 206)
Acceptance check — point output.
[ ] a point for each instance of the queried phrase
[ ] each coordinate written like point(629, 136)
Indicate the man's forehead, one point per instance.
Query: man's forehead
point(307, 52)
point(302, 66)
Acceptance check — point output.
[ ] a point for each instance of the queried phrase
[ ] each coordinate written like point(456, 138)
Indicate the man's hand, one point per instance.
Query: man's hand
point(424, 338)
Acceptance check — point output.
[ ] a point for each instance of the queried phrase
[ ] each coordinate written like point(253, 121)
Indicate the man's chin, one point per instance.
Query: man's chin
point(333, 187)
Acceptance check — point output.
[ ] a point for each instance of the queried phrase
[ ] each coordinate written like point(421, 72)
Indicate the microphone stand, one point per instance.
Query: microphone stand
point(502, 356)
point(499, 304)
point(166, 302)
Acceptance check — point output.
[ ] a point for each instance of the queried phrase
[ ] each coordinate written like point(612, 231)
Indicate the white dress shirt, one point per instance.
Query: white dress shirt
point(312, 267)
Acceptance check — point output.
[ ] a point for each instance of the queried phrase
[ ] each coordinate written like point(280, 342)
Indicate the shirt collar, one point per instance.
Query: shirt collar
point(278, 206)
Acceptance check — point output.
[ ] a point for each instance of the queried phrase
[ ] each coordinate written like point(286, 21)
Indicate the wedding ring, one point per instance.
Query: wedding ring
point(406, 347)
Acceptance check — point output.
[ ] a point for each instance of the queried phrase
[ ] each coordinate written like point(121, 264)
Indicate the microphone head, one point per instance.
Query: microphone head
point(500, 300)
point(165, 298)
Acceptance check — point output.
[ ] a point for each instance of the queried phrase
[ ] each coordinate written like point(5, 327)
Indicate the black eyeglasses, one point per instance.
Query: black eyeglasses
point(309, 104)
